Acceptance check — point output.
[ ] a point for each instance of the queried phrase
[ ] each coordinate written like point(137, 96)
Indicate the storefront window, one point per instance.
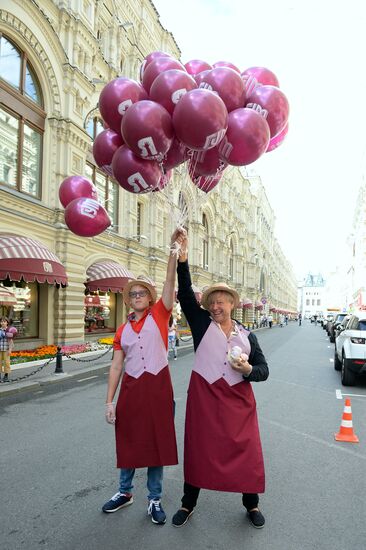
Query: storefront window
point(107, 190)
point(100, 312)
point(24, 314)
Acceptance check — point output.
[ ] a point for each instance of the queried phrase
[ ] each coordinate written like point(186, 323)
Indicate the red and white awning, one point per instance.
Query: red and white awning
point(107, 276)
point(258, 305)
point(30, 260)
point(246, 303)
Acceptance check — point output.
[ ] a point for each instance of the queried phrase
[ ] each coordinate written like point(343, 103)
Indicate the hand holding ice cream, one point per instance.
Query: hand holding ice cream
point(239, 361)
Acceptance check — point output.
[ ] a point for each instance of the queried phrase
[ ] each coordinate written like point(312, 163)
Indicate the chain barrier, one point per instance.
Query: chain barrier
point(54, 357)
point(87, 360)
point(33, 372)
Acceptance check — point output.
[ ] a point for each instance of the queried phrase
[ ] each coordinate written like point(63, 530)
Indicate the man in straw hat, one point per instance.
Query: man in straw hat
point(144, 414)
point(222, 447)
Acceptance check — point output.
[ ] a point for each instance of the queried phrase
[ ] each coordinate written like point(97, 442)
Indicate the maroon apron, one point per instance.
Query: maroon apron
point(222, 447)
point(145, 433)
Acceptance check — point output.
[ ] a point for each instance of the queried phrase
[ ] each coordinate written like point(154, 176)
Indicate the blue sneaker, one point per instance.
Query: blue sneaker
point(119, 500)
point(156, 512)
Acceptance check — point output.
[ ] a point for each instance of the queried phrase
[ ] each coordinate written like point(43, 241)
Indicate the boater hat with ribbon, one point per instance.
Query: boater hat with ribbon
point(219, 287)
point(141, 281)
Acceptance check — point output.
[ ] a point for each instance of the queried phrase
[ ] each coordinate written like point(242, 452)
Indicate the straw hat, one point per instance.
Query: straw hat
point(142, 281)
point(219, 287)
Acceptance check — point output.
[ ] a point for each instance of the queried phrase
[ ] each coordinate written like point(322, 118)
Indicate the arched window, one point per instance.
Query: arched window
point(205, 242)
point(22, 120)
point(231, 261)
point(107, 187)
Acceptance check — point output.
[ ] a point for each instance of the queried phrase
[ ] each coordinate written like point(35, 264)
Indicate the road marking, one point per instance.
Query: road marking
point(340, 395)
point(88, 378)
point(39, 391)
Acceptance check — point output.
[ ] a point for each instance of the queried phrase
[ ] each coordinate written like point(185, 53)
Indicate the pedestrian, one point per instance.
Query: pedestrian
point(315, 320)
point(300, 319)
point(222, 446)
point(172, 336)
point(281, 320)
point(144, 414)
point(270, 320)
point(286, 320)
point(6, 347)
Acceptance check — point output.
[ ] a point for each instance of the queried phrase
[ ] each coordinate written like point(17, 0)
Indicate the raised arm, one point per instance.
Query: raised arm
point(169, 285)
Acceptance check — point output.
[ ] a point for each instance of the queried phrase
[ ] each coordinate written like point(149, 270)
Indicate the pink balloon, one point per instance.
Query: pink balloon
point(13, 331)
point(226, 64)
point(169, 86)
point(206, 183)
point(86, 217)
point(206, 163)
point(176, 155)
point(246, 139)
point(133, 173)
point(149, 58)
point(273, 104)
point(228, 84)
point(277, 140)
point(199, 77)
point(105, 145)
point(262, 75)
point(115, 99)
point(196, 66)
point(157, 66)
point(200, 119)
point(75, 187)
point(148, 130)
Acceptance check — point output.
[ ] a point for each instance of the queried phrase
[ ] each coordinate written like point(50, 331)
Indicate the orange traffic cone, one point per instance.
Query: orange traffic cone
point(346, 430)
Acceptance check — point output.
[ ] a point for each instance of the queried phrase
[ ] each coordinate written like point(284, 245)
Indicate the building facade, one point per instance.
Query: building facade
point(312, 296)
point(55, 57)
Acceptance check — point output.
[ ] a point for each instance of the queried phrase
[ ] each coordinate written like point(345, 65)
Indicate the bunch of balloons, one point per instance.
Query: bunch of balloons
point(84, 215)
point(207, 116)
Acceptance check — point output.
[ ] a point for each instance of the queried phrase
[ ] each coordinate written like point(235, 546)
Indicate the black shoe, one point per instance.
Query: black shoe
point(6, 377)
point(181, 517)
point(119, 500)
point(256, 518)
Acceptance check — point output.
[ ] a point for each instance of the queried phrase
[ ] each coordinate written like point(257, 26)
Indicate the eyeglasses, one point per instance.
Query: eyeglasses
point(139, 294)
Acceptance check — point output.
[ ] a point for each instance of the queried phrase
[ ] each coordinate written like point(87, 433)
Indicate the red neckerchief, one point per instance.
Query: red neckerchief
point(131, 317)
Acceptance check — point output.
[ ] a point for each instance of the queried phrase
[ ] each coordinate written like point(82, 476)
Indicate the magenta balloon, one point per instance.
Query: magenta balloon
point(169, 86)
point(157, 66)
point(105, 145)
point(228, 84)
point(226, 64)
point(147, 129)
point(199, 77)
point(75, 187)
point(149, 58)
point(272, 103)
point(176, 155)
point(200, 119)
point(13, 331)
point(133, 173)
point(277, 140)
point(86, 217)
point(115, 99)
point(246, 139)
point(206, 163)
point(196, 66)
point(263, 75)
point(206, 183)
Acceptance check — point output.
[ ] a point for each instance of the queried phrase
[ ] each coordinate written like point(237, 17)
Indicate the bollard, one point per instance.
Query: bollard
point(58, 369)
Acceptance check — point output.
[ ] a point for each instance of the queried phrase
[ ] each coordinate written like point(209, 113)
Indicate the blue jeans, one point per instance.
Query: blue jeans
point(154, 481)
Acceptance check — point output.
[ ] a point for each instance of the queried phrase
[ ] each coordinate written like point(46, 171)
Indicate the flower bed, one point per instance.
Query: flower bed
point(45, 352)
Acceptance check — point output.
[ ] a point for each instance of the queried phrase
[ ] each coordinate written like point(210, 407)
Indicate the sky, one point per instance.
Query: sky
point(317, 49)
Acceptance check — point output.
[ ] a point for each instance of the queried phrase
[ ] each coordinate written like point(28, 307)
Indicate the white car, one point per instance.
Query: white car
point(350, 349)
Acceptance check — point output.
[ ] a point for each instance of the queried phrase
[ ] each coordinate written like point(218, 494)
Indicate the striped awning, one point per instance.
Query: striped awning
point(30, 260)
point(258, 305)
point(245, 303)
point(7, 297)
point(107, 276)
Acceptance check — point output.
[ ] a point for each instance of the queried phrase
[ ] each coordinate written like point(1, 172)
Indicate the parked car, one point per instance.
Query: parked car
point(335, 324)
point(350, 349)
point(343, 325)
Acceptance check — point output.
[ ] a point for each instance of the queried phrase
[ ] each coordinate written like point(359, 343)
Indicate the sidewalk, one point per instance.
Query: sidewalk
point(80, 365)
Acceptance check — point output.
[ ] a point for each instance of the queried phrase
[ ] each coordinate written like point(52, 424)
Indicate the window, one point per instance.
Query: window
point(106, 186)
point(318, 302)
point(205, 242)
point(308, 302)
point(21, 121)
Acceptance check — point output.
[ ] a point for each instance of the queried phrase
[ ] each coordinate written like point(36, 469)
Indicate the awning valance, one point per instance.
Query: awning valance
point(107, 276)
point(30, 260)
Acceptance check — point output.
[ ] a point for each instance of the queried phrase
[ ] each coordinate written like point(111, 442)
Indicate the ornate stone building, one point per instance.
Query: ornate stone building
point(55, 57)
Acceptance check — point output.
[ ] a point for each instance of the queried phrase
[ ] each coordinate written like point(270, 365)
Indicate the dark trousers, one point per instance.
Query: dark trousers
point(190, 497)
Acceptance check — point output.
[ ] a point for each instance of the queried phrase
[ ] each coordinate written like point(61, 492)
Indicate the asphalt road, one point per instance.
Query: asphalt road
point(57, 464)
